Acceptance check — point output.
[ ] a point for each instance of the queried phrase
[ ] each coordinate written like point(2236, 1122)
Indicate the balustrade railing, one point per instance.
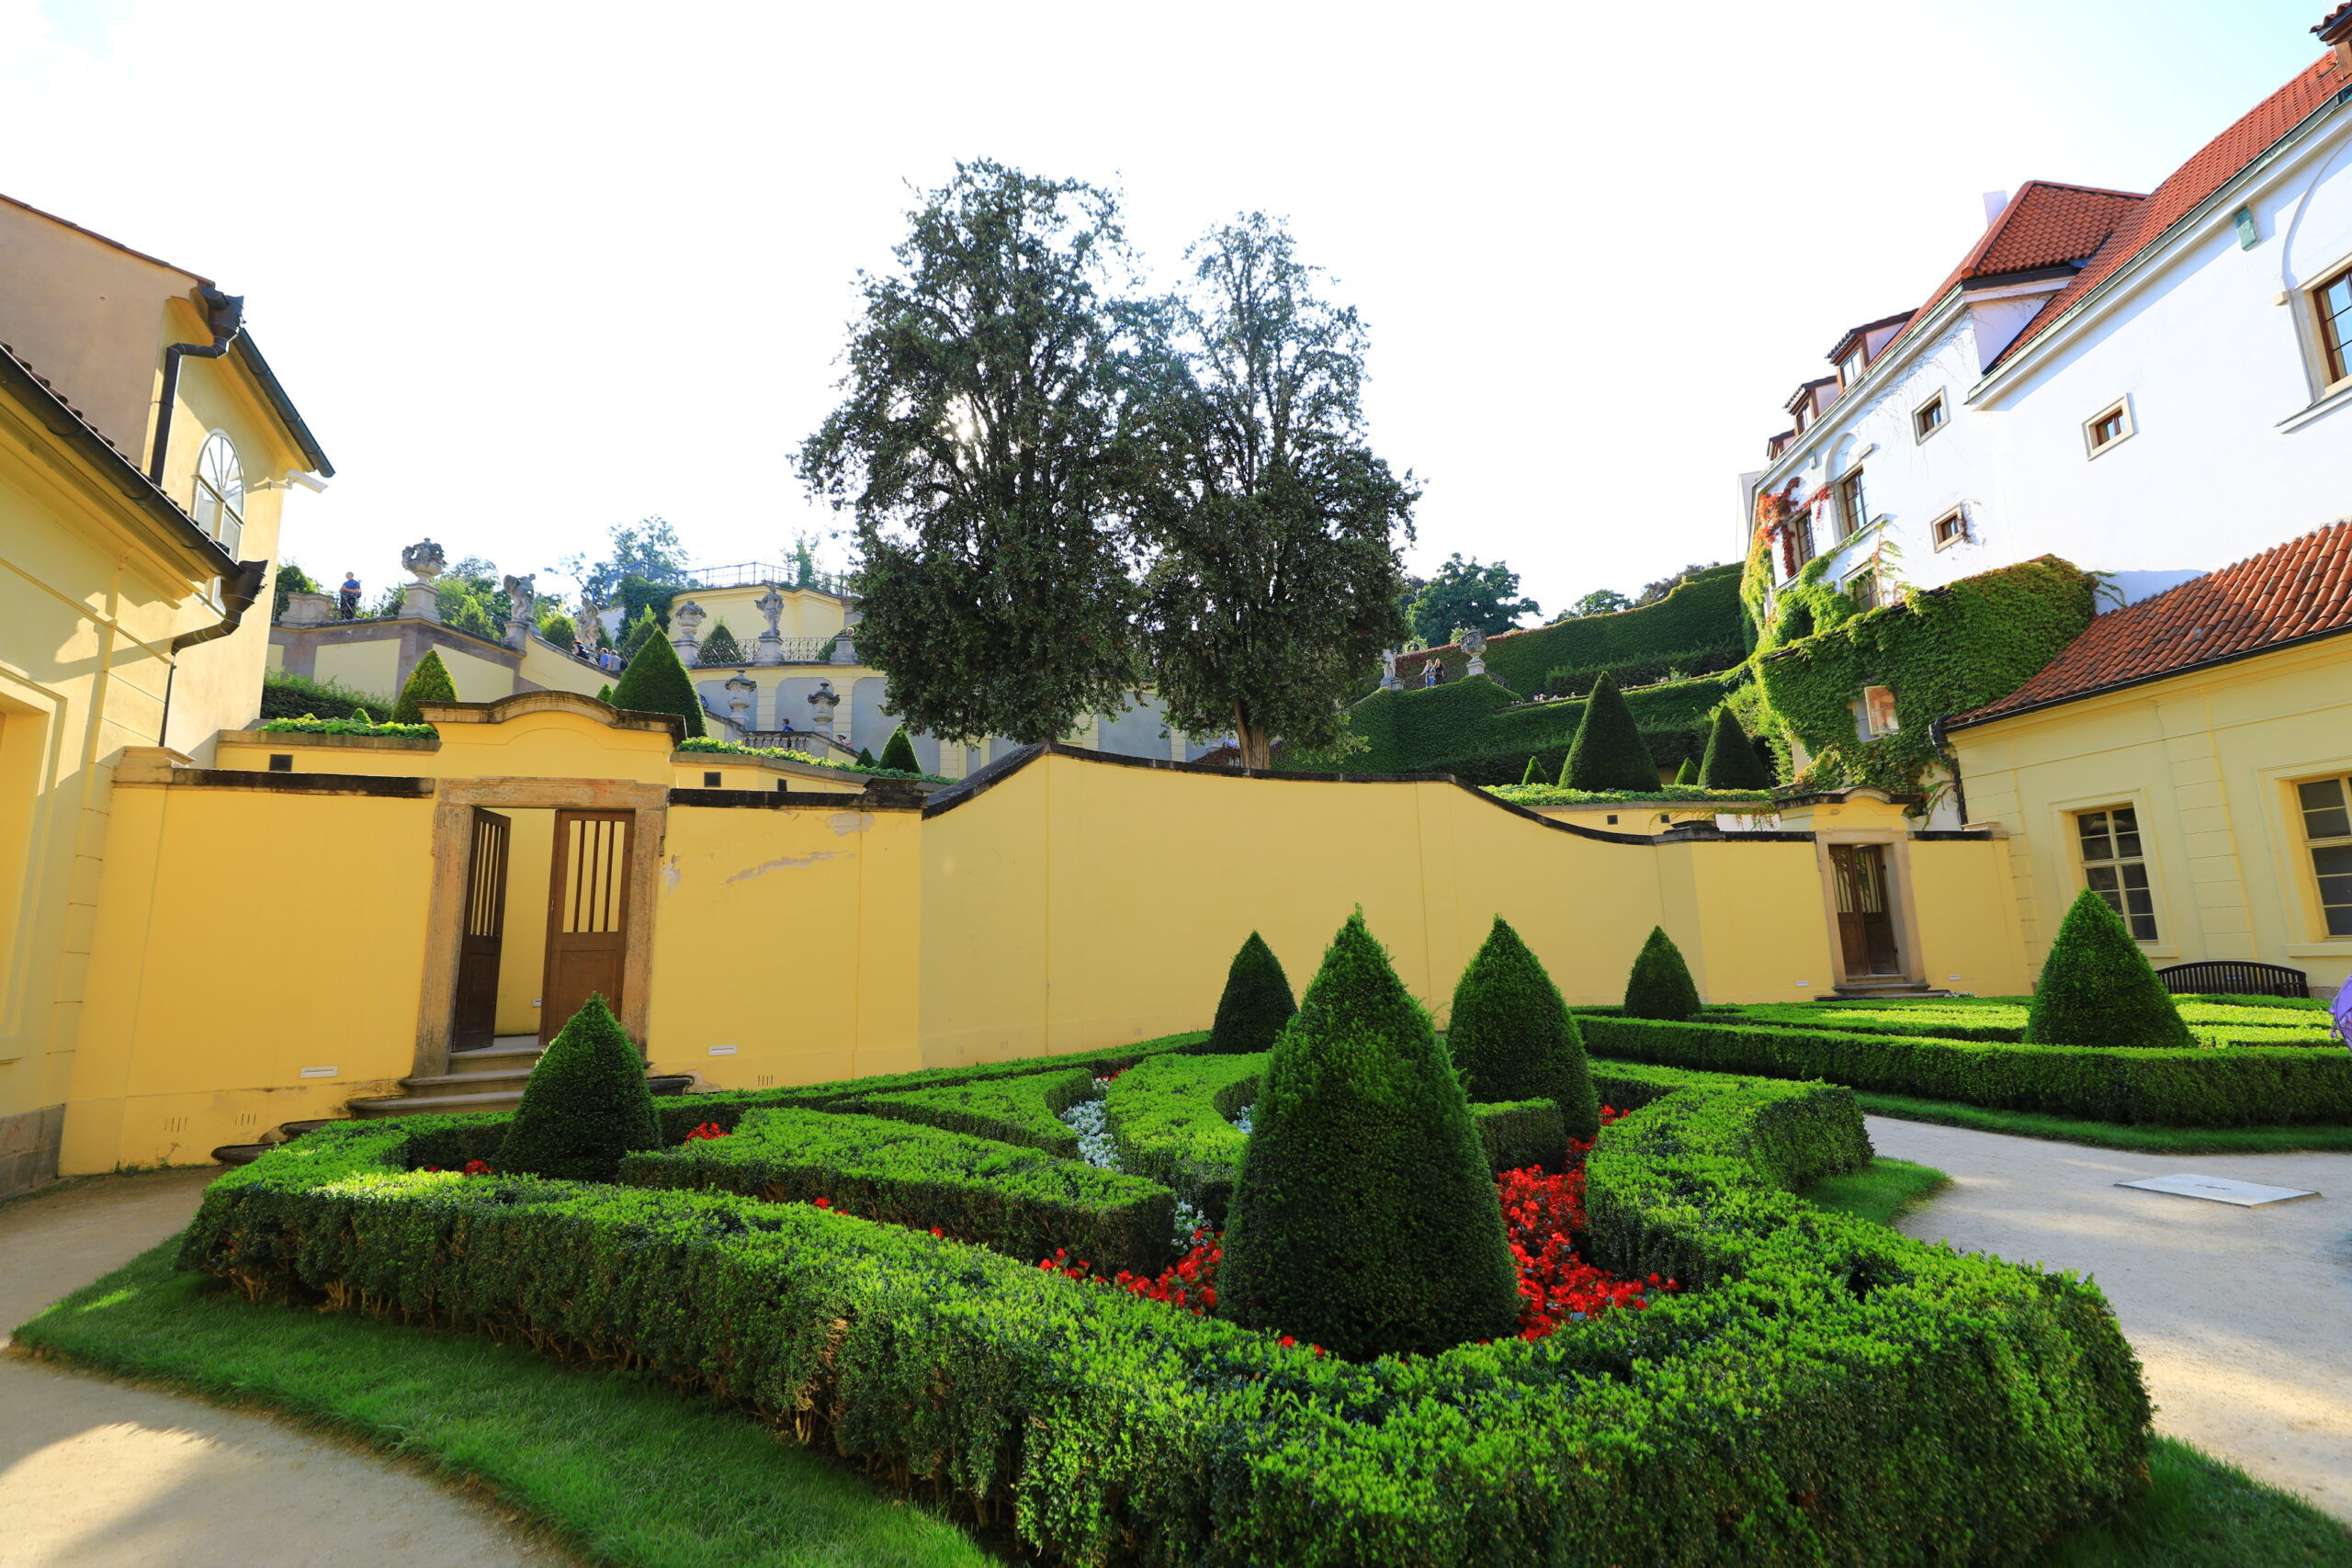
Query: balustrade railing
point(803, 740)
point(796, 650)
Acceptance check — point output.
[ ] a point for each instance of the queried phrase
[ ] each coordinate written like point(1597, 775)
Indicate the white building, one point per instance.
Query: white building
point(2150, 386)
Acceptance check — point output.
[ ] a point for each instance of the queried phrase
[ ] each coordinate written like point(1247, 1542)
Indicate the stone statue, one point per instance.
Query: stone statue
point(686, 629)
point(521, 598)
point(770, 605)
point(1389, 681)
point(424, 560)
point(1473, 643)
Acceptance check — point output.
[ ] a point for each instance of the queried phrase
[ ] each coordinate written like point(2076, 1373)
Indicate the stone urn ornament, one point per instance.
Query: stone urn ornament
point(1473, 643)
point(822, 702)
point(741, 690)
point(685, 629)
point(424, 561)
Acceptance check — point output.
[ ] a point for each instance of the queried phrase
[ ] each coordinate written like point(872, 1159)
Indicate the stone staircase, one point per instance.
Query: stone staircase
point(490, 1079)
point(1868, 990)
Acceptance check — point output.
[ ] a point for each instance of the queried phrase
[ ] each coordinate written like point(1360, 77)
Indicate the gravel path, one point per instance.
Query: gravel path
point(95, 1474)
point(2242, 1317)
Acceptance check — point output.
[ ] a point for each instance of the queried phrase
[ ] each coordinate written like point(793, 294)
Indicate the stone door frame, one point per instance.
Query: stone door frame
point(453, 814)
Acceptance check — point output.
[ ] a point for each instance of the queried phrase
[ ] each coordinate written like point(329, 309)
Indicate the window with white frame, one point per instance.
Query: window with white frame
point(1877, 711)
point(1951, 528)
point(220, 500)
point(2115, 867)
point(2107, 428)
point(2326, 807)
point(1928, 418)
point(1853, 507)
point(1862, 588)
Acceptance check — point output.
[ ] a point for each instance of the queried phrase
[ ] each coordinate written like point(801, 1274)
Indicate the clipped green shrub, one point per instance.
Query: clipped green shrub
point(1687, 776)
point(1257, 1000)
point(1511, 1036)
point(639, 632)
point(1364, 1218)
point(428, 683)
point(898, 752)
point(719, 646)
point(1530, 776)
point(1025, 1110)
point(1517, 1133)
point(656, 683)
point(299, 696)
point(2242, 1086)
point(1022, 1202)
point(1608, 752)
point(2098, 988)
point(560, 630)
point(1660, 985)
point(1171, 1120)
point(586, 1104)
point(1731, 761)
point(605, 693)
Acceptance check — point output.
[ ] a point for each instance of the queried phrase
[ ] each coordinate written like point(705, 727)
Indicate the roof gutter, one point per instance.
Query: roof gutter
point(238, 591)
point(223, 315)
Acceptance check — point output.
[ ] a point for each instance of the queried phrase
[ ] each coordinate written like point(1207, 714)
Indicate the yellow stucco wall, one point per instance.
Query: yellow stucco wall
point(2209, 761)
point(1623, 818)
point(243, 937)
point(806, 614)
point(478, 680)
point(371, 667)
point(549, 670)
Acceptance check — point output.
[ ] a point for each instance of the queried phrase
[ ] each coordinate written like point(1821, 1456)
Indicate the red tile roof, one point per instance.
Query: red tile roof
point(2298, 591)
point(2044, 224)
point(2331, 22)
point(2214, 166)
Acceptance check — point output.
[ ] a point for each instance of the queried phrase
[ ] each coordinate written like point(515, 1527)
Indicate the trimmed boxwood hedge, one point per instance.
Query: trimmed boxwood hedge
point(1024, 1109)
point(1170, 1119)
point(2240, 1087)
point(2005, 1024)
point(1022, 1202)
point(1835, 1393)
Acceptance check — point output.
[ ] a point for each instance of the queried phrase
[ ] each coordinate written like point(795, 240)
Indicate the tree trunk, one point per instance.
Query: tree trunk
point(1255, 743)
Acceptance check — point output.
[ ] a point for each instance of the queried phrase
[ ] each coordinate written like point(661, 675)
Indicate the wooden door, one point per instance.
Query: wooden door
point(587, 915)
point(1865, 915)
point(484, 934)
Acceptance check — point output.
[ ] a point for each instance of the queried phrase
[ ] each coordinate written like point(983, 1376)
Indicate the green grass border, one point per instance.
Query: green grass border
point(2314, 1138)
point(1883, 1190)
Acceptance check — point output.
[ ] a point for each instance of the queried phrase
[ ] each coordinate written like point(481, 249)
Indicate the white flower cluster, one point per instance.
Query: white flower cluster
point(1242, 1117)
point(1090, 1119)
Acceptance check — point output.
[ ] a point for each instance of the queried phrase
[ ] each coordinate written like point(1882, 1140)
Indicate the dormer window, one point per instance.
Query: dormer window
point(1850, 369)
point(220, 500)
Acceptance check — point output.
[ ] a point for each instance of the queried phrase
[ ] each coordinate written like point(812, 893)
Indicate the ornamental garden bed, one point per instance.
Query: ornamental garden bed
point(1812, 1387)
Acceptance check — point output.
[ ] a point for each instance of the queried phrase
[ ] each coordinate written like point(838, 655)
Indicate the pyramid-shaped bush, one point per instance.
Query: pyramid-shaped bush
point(1512, 1036)
point(1364, 1218)
point(1257, 1001)
point(2097, 988)
point(1609, 752)
point(1688, 773)
point(428, 683)
point(656, 683)
point(719, 647)
point(585, 1106)
point(639, 632)
point(898, 752)
point(1731, 761)
point(1660, 986)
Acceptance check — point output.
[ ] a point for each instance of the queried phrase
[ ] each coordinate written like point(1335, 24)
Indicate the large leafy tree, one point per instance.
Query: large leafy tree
point(1268, 525)
point(1466, 594)
point(979, 446)
point(648, 549)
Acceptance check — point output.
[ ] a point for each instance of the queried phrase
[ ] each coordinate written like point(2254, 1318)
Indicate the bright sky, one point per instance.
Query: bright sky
point(533, 270)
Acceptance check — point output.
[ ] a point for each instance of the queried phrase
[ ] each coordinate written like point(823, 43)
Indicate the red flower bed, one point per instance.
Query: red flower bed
point(1545, 1214)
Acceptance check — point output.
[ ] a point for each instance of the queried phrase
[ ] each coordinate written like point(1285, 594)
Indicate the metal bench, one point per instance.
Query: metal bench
point(2236, 976)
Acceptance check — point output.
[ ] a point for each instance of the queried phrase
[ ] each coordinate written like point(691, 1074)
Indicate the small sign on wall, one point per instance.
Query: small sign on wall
point(318, 1072)
point(723, 1050)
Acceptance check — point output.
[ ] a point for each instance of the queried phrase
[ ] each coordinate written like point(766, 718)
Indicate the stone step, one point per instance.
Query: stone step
point(472, 1083)
point(496, 1095)
point(499, 1059)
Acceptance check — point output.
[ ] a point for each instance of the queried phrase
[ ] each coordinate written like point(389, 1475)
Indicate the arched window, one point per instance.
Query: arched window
point(220, 493)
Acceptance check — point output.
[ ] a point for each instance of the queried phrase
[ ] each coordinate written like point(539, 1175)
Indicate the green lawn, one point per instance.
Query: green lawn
point(2326, 1137)
point(1884, 1190)
point(628, 1471)
point(631, 1472)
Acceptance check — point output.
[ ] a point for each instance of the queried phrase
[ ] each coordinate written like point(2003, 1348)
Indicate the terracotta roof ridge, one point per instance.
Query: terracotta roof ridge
point(2086, 191)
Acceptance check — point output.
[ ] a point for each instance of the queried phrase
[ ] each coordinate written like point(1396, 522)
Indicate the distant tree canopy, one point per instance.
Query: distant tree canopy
point(648, 549)
point(1654, 592)
point(1464, 593)
point(1599, 602)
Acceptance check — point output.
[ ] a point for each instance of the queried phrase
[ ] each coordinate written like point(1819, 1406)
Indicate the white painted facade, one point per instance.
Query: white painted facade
point(2237, 439)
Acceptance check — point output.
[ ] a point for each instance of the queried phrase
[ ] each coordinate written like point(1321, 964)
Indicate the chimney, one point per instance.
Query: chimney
point(2334, 30)
point(1998, 201)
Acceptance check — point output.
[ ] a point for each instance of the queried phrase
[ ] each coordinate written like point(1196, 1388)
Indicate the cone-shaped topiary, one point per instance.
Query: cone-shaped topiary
point(898, 752)
point(585, 1106)
point(2097, 988)
point(1609, 752)
point(1530, 776)
point(642, 630)
point(428, 683)
point(1257, 1000)
point(1660, 985)
point(719, 647)
point(1512, 1037)
point(656, 683)
point(866, 758)
point(1688, 773)
point(1364, 1218)
point(605, 693)
point(1731, 761)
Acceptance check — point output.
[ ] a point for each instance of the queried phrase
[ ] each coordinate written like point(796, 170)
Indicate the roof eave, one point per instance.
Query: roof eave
point(1972, 722)
point(249, 355)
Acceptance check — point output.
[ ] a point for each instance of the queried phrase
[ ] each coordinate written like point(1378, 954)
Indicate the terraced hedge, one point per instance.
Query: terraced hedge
point(2236, 1086)
point(1476, 730)
point(1834, 1392)
point(1700, 615)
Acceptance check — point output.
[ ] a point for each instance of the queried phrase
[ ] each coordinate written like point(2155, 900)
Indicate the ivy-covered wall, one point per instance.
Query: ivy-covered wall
point(1940, 651)
point(1701, 616)
point(1476, 730)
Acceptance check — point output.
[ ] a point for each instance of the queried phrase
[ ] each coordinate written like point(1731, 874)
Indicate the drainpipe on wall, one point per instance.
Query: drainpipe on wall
point(238, 593)
point(223, 315)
